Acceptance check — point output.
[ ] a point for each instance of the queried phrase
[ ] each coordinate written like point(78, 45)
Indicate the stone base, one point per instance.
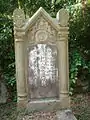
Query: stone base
point(65, 101)
point(21, 104)
point(47, 105)
point(43, 105)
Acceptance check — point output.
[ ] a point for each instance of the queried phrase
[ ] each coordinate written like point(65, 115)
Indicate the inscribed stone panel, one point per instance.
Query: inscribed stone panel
point(43, 71)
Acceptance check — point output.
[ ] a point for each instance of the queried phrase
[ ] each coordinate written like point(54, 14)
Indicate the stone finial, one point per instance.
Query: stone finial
point(63, 17)
point(18, 17)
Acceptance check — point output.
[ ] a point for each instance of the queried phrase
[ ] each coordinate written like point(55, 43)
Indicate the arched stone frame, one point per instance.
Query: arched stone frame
point(21, 36)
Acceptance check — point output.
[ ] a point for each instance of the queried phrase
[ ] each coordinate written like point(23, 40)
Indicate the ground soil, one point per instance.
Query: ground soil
point(80, 105)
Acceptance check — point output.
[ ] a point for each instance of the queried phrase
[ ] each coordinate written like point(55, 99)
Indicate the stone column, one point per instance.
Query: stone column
point(62, 43)
point(19, 36)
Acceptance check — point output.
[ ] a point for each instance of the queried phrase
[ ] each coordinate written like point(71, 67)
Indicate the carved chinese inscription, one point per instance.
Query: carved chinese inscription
point(43, 71)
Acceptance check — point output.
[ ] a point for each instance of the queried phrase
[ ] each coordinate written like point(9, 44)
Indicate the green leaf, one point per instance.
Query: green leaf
point(58, 1)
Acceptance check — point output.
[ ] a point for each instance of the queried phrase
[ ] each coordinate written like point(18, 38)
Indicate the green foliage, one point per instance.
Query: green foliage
point(88, 2)
point(79, 43)
point(7, 52)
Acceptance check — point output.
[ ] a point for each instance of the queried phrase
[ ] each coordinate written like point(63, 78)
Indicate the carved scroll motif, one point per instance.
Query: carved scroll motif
point(42, 31)
point(18, 18)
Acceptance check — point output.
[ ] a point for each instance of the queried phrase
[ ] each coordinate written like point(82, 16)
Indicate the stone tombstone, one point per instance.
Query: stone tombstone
point(41, 53)
point(3, 89)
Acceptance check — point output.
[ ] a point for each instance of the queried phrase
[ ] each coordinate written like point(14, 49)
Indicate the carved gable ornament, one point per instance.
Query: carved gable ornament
point(42, 31)
point(42, 16)
point(42, 27)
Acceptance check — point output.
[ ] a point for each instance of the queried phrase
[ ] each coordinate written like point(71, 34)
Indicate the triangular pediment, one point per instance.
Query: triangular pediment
point(41, 13)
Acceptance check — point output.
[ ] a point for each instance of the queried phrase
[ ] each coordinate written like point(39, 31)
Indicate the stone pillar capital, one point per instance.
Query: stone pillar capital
point(63, 35)
point(19, 36)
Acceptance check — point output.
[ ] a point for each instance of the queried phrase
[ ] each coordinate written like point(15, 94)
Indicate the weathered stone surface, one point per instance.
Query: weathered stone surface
point(41, 30)
point(42, 71)
point(18, 17)
point(63, 17)
point(65, 115)
point(3, 92)
point(43, 105)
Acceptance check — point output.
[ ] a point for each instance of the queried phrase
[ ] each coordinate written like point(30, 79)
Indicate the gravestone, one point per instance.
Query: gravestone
point(3, 93)
point(41, 53)
point(3, 90)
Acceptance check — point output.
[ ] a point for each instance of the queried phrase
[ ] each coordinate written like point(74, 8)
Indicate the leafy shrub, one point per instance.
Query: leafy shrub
point(7, 61)
point(79, 45)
